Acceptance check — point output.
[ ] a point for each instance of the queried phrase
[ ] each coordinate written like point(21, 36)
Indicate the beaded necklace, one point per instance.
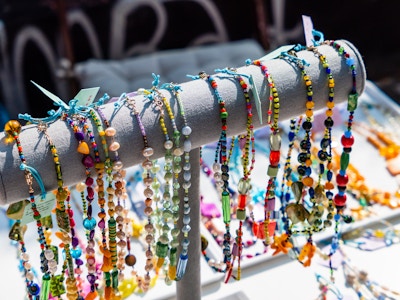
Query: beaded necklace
point(118, 190)
point(187, 146)
point(274, 154)
point(47, 255)
point(64, 224)
point(166, 246)
point(244, 184)
point(297, 212)
point(177, 153)
point(325, 154)
point(89, 222)
point(221, 169)
point(110, 252)
point(347, 139)
point(147, 164)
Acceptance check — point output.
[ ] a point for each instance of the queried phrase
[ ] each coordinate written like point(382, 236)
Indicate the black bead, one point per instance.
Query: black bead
point(328, 122)
point(324, 143)
point(302, 157)
point(305, 144)
point(301, 170)
point(322, 155)
point(307, 125)
point(347, 149)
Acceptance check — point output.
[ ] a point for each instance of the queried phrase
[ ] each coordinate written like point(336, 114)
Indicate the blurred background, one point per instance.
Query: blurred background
point(65, 45)
point(45, 40)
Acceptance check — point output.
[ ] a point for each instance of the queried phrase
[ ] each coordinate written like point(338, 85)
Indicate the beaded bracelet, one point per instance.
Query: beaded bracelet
point(147, 165)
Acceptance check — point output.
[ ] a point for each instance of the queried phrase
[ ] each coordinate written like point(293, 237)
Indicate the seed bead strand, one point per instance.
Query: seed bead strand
point(187, 146)
point(47, 256)
point(147, 165)
point(287, 171)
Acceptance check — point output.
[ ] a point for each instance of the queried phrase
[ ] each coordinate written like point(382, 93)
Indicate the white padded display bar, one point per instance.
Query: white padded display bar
point(202, 113)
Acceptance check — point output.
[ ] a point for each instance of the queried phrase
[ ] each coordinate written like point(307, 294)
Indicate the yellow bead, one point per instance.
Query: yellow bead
point(330, 104)
point(329, 113)
point(172, 272)
point(83, 148)
point(310, 104)
point(309, 113)
point(12, 126)
point(308, 162)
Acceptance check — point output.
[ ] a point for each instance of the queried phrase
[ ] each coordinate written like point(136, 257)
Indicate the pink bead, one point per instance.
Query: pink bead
point(78, 271)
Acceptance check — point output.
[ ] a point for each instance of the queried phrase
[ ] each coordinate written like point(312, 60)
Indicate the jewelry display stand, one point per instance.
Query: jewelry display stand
point(201, 110)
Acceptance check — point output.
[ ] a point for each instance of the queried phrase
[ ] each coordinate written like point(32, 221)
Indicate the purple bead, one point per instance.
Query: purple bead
point(102, 224)
point(88, 161)
point(271, 204)
point(235, 250)
point(90, 192)
point(79, 262)
point(91, 235)
point(79, 136)
point(91, 278)
point(75, 242)
point(89, 211)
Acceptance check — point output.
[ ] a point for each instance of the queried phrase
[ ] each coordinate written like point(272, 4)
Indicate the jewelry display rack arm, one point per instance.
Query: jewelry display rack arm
point(202, 112)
